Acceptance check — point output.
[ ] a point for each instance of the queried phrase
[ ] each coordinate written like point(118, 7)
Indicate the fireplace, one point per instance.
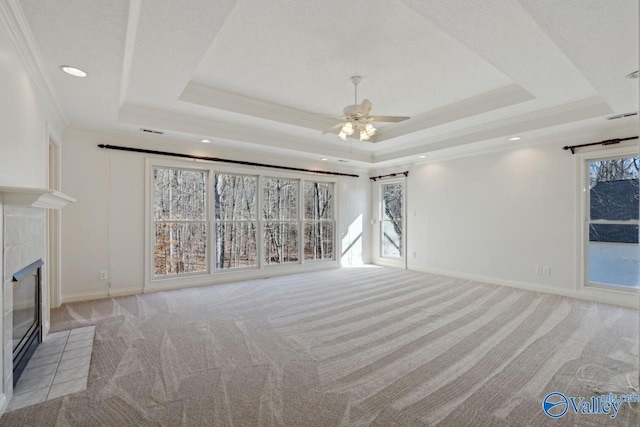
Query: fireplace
point(27, 315)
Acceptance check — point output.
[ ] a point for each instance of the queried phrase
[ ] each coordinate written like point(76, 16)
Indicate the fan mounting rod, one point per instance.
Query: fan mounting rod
point(356, 81)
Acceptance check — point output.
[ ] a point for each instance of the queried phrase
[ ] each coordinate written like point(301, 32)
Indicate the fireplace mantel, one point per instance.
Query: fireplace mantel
point(34, 197)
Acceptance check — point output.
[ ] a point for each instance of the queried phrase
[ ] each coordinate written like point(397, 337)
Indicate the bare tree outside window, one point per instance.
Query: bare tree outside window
point(319, 223)
point(236, 220)
point(281, 222)
point(391, 224)
point(180, 221)
point(185, 206)
point(613, 170)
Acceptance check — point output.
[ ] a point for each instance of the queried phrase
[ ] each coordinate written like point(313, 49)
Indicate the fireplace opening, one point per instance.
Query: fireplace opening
point(27, 313)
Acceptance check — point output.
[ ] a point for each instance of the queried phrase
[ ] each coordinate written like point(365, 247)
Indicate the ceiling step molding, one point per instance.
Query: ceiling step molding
point(34, 197)
point(200, 94)
point(168, 120)
point(540, 119)
point(500, 98)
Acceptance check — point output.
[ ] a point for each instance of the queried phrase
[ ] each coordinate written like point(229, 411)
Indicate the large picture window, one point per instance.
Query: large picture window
point(179, 221)
point(203, 221)
point(613, 254)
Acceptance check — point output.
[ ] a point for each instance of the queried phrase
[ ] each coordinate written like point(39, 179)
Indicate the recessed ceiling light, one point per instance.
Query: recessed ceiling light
point(206, 141)
point(73, 71)
point(422, 157)
point(633, 75)
point(324, 159)
point(515, 138)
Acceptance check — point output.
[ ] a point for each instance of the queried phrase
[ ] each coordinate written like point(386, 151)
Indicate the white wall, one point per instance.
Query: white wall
point(22, 125)
point(494, 216)
point(104, 230)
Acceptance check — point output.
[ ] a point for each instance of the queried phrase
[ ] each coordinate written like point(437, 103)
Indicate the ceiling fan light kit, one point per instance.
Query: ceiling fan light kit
point(357, 118)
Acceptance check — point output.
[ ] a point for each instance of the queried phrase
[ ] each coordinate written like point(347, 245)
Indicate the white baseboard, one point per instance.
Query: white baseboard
point(100, 295)
point(624, 299)
point(237, 276)
point(218, 279)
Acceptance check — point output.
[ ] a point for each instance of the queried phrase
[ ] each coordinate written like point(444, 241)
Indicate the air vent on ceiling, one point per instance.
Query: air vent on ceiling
point(620, 116)
point(157, 132)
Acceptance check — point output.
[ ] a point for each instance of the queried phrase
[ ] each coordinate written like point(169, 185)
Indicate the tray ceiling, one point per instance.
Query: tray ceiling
point(264, 73)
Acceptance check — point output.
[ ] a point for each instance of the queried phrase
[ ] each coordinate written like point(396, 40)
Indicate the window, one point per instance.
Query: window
point(281, 224)
point(613, 254)
point(180, 221)
point(391, 224)
point(204, 220)
point(319, 224)
point(236, 220)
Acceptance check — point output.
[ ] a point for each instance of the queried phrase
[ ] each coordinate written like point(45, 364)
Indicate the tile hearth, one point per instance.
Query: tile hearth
point(60, 366)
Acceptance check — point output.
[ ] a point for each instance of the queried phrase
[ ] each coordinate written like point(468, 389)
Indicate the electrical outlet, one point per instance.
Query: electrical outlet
point(104, 275)
point(546, 270)
point(538, 269)
point(414, 254)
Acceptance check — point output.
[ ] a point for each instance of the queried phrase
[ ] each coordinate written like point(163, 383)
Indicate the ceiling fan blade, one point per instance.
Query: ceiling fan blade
point(332, 128)
point(331, 116)
point(391, 119)
point(365, 107)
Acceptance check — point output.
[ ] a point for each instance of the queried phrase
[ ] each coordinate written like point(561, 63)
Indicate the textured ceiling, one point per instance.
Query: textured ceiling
point(263, 73)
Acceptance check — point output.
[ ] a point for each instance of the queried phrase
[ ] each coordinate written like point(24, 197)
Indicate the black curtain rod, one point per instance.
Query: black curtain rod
point(375, 178)
point(605, 142)
point(216, 159)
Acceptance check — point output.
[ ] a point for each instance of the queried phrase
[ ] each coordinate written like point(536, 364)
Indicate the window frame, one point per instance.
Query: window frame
point(297, 221)
point(213, 275)
point(215, 222)
point(206, 221)
point(332, 221)
point(584, 218)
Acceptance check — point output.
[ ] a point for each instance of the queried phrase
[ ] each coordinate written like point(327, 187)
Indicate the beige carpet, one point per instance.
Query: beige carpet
point(355, 346)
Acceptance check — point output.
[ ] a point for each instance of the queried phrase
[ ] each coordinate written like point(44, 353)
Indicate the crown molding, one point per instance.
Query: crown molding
point(24, 44)
point(201, 94)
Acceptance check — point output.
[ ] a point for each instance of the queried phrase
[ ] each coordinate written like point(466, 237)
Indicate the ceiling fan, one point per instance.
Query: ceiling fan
point(356, 118)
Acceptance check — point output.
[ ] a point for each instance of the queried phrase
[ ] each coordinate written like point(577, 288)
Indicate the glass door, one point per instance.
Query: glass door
point(392, 224)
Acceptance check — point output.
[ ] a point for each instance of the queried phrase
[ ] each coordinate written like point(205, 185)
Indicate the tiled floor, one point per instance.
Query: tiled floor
point(60, 366)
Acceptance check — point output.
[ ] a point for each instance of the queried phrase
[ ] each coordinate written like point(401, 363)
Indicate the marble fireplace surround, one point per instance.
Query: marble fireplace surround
point(23, 233)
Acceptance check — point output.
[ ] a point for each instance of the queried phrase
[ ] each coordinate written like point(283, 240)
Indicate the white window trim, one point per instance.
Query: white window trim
point(594, 290)
point(154, 283)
